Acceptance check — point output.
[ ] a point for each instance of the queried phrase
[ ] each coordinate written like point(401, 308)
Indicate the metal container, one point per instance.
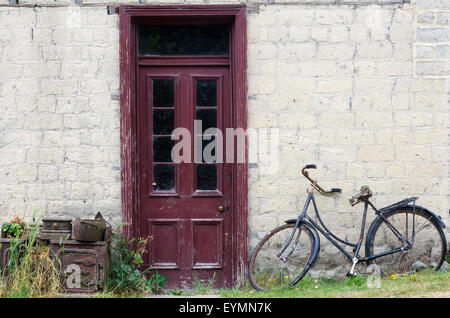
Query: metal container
point(83, 267)
point(5, 245)
point(63, 224)
point(5, 250)
point(56, 229)
point(88, 230)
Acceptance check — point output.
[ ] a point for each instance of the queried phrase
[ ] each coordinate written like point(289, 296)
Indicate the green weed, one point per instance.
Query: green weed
point(125, 276)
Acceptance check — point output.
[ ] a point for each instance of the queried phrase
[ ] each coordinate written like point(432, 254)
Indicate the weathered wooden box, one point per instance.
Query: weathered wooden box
point(83, 266)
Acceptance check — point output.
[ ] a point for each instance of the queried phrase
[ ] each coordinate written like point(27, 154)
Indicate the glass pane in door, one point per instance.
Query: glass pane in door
point(206, 112)
point(163, 112)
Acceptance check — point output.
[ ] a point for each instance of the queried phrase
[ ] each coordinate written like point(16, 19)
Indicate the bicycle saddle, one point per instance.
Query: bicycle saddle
point(363, 194)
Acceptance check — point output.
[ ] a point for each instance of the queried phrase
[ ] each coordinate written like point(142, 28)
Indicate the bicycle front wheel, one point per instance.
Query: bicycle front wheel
point(428, 246)
point(272, 268)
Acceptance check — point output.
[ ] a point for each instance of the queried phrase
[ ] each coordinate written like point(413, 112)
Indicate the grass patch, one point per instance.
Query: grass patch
point(31, 272)
point(423, 284)
point(199, 288)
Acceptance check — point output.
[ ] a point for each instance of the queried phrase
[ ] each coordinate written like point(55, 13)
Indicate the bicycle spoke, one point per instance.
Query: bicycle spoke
point(273, 281)
point(424, 243)
point(420, 229)
point(297, 261)
point(295, 244)
point(270, 270)
point(399, 261)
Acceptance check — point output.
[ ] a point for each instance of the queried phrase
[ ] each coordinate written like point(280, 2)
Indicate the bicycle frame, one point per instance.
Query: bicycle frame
point(334, 239)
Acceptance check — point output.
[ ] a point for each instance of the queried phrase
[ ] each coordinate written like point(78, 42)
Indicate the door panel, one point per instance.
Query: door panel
point(207, 243)
point(179, 201)
point(164, 245)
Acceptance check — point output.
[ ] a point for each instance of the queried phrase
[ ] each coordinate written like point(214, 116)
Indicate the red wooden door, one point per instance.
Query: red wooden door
point(185, 206)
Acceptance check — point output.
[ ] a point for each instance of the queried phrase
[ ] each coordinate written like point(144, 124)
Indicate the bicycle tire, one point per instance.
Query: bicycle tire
point(267, 271)
point(429, 243)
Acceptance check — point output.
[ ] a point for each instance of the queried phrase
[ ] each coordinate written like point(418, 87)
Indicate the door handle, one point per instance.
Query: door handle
point(221, 208)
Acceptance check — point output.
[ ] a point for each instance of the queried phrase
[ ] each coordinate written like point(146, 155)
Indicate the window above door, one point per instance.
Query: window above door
point(183, 40)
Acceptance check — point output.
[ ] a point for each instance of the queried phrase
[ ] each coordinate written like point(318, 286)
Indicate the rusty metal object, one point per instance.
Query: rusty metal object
point(64, 224)
point(5, 250)
point(108, 233)
point(87, 230)
point(82, 266)
point(56, 229)
point(5, 245)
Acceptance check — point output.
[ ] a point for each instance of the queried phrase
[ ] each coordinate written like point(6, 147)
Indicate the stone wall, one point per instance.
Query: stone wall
point(59, 79)
point(359, 88)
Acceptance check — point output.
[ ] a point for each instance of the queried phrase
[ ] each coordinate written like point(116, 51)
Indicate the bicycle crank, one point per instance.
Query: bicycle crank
point(352, 271)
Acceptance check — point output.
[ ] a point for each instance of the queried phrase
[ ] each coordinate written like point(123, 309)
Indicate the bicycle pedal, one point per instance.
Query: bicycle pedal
point(351, 275)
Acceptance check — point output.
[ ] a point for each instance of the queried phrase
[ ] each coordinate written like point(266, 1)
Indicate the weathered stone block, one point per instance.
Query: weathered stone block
point(335, 52)
point(336, 16)
point(375, 50)
point(433, 35)
point(440, 68)
point(334, 86)
point(425, 51)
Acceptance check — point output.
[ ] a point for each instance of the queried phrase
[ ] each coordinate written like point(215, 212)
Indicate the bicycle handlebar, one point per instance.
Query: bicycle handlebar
point(314, 183)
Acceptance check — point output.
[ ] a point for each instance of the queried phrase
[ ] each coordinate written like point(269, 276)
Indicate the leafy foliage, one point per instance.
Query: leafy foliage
point(125, 276)
point(13, 228)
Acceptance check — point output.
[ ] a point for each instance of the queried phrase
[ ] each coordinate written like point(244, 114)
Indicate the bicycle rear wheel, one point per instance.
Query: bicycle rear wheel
point(269, 270)
point(421, 229)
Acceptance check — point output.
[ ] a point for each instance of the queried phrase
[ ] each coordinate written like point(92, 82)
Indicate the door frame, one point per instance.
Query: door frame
point(237, 15)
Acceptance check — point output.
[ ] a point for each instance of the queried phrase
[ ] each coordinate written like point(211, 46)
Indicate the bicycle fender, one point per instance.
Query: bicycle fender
point(418, 208)
point(379, 219)
point(316, 239)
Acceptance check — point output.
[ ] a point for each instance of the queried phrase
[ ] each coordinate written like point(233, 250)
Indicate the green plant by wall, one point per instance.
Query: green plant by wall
point(13, 228)
point(125, 276)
